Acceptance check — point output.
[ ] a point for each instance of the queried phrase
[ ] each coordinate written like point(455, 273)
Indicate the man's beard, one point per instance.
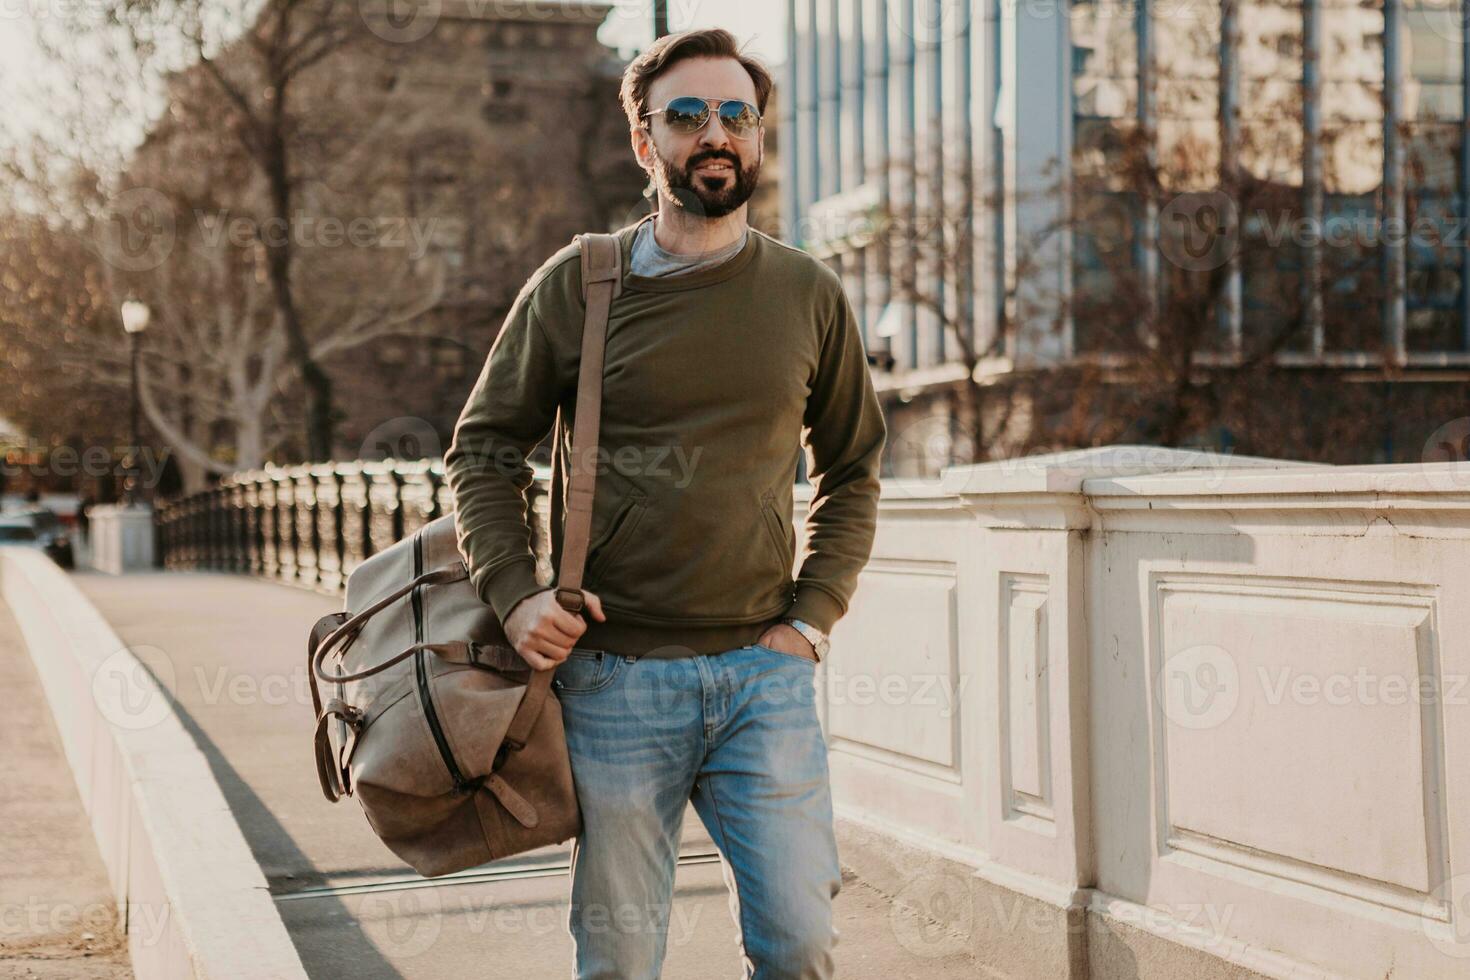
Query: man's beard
point(708, 198)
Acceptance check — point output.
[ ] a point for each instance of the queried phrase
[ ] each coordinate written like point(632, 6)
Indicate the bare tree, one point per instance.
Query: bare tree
point(258, 54)
point(186, 221)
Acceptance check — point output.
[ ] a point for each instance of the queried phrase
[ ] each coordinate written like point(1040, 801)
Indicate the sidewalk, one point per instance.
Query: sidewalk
point(58, 919)
point(232, 649)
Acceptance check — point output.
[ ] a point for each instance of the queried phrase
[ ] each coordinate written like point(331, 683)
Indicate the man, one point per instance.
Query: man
point(694, 678)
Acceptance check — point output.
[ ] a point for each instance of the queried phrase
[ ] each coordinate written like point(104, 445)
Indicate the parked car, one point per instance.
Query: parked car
point(41, 528)
point(19, 529)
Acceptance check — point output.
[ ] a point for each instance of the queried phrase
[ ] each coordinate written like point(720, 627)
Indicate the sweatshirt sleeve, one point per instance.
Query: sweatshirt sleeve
point(510, 410)
point(844, 430)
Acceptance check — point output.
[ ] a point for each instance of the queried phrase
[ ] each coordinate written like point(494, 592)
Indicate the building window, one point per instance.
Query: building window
point(448, 361)
point(390, 353)
point(1105, 206)
point(1433, 62)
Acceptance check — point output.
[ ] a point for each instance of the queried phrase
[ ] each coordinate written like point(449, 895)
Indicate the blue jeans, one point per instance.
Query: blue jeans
point(736, 731)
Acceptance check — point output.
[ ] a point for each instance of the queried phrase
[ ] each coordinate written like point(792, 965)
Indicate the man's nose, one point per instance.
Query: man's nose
point(713, 136)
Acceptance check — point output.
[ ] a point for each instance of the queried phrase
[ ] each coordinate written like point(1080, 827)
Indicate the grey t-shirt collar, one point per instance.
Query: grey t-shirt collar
point(649, 259)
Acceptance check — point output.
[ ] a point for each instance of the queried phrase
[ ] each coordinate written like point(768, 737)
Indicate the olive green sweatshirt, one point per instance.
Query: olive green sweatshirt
point(712, 382)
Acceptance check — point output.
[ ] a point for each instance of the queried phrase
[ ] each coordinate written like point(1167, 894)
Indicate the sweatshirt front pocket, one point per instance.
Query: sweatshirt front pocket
point(602, 553)
point(776, 534)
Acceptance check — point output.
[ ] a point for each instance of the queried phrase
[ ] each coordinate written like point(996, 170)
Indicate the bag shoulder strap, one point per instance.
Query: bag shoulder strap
point(602, 280)
point(602, 261)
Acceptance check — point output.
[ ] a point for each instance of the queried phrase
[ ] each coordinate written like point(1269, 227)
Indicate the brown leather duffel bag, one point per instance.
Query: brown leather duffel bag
point(451, 743)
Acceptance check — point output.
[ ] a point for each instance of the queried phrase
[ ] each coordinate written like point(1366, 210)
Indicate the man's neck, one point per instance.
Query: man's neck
point(679, 233)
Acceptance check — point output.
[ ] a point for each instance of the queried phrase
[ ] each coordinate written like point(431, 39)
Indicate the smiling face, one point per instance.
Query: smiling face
point(710, 173)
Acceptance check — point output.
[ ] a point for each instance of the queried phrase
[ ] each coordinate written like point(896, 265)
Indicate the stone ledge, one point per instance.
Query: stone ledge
point(195, 901)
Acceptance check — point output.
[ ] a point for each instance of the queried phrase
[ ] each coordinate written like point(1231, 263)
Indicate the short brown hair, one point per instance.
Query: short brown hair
point(714, 42)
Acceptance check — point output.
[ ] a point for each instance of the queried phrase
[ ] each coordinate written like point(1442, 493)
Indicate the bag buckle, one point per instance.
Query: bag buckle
point(572, 600)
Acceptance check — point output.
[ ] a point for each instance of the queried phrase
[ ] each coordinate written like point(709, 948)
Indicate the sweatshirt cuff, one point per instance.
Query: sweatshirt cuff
point(509, 585)
point(812, 605)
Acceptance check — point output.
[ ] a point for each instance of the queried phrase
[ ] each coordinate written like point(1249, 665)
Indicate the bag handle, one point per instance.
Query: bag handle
point(439, 576)
point(318, 645)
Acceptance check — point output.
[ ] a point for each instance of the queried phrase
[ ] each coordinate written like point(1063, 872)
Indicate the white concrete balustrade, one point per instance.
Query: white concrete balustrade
point(121, 538)
point(1169, 714)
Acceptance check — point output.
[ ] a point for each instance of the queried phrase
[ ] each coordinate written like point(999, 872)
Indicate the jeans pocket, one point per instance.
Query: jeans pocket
point(585, 672)
point(783, 653)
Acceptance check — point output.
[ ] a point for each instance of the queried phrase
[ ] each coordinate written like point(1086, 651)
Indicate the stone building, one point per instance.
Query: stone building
point(474, 143)
point(467, 148)
point(508, 140)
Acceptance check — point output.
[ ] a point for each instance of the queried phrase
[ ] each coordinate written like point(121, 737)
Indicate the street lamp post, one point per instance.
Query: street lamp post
point(135, 317)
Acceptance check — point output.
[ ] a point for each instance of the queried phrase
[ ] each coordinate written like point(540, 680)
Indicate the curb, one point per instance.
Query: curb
point(191, 894)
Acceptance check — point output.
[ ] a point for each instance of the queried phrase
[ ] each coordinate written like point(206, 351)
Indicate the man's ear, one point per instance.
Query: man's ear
point(639, 138)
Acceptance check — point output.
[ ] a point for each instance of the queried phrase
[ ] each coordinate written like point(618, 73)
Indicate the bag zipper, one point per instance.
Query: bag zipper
point(421, 669)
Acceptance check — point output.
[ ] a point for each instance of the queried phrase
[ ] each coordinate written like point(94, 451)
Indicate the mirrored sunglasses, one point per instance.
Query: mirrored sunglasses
point(690, 114)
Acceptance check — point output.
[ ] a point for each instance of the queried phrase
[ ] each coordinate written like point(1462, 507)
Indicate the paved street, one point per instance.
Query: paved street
point(232, 649)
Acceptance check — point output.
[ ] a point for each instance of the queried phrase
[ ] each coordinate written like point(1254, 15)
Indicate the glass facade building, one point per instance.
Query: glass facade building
point(1064, 172)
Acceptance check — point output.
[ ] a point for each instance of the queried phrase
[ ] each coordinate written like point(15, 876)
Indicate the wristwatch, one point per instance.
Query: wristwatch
point(814, 636)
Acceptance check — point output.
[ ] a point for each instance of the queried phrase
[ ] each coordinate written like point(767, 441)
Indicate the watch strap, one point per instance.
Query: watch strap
point(819, 644)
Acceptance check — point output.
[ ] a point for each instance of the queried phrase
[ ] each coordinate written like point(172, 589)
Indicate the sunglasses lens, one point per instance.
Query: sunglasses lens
point(738, 117)
point(686, 115)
